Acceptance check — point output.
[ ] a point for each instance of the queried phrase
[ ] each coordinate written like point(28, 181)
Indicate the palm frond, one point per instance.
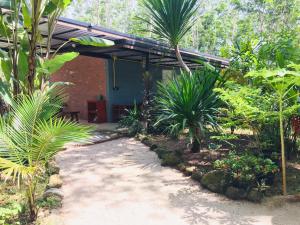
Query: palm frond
point(32, 134)
point(171, 19)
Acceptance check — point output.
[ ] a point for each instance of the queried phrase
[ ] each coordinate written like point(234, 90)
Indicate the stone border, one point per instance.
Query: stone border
point(197, 176)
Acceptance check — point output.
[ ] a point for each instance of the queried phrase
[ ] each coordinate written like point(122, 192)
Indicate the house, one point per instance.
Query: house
point(114, 73)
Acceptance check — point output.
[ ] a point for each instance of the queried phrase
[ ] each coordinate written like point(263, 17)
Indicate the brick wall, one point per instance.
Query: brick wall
point(89, 81)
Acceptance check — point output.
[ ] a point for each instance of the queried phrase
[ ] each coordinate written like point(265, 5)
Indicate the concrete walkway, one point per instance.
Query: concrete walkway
point(121, 182)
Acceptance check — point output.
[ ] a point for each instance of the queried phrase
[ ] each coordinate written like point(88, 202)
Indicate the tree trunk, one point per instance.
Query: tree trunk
point(31, 201)
point(16, 87)
point(180, 60)
point(196, 144)
point(283, 165)
point(33, 46)
point(147, 99)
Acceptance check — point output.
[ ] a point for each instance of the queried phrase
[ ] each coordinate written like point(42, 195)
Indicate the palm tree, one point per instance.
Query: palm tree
point(189, 102)
point(171, 20)
point(30, 135)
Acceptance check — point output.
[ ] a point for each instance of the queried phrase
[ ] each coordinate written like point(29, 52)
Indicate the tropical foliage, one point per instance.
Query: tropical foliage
point(132, 120)
point(189, 102)
point(26, 66)
point(31, 132)
point(248, 170)
point(284, 83)
point(171, 20)
point(29, 61)
point(220, 25)
point(30, 135)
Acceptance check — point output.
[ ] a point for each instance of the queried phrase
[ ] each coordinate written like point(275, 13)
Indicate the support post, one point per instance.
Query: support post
point(147, 92)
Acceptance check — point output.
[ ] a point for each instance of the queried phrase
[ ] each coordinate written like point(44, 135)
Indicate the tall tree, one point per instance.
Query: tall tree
point(171, 20)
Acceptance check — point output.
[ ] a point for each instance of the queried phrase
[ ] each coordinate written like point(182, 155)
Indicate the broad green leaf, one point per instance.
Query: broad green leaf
point(6, 68)
point(6, 93)
point(3, 54)
point(62, 4)
point(93, 41)
point(5, 65)
point(26, 14)
point(50, 66)
point(56, 4)
point(4, 29)
point(22, 66)
point(50, 8)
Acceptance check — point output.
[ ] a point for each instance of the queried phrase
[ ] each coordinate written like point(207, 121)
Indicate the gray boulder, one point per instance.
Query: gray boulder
point(235, 193)
point(255, 195)
point(53, 192)
point(197, 175)
point(55, 181)
point(190, 170)
point(216, 181)
point(52, 168)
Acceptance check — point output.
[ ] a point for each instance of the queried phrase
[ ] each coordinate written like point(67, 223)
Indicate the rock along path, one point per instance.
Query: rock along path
point(121, 182)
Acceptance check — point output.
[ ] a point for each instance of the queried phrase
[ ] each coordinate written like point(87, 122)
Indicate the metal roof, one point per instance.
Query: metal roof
point(127, 47)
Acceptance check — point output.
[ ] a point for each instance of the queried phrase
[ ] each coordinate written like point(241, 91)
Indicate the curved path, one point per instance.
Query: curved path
point(121, 182)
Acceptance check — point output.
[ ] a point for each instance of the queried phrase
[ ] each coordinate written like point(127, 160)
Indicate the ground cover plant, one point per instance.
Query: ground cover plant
point(248, 170)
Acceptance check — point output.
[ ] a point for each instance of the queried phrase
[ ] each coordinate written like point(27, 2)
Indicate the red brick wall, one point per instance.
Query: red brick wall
point(87, 74)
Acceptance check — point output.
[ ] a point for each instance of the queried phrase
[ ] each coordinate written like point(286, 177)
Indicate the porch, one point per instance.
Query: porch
point(105, 81)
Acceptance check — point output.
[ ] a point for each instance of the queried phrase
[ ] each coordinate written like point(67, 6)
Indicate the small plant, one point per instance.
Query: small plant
point(50, 203)
point(247, 170)
point(132, 121)
point(9, 214)
point(226, 138)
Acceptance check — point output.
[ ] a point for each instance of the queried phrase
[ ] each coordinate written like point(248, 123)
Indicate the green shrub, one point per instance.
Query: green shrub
point(247, 170)
point(9, 214)
point(52, 202)
point(132, 121)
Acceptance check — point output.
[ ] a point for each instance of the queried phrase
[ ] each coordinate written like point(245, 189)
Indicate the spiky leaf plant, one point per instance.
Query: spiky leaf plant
point(189, 102)
point(171, 20)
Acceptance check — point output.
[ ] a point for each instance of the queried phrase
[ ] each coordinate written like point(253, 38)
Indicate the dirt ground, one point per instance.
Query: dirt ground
point(121, 182)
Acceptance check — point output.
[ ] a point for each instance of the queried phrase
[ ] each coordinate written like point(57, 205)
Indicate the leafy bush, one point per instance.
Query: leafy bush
point(9, 214)
point(247, 170)
point(52, 202)
point(132, 121)
point(189, 102)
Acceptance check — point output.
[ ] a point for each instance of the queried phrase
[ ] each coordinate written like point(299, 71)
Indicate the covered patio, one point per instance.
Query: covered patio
point(106, 80)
